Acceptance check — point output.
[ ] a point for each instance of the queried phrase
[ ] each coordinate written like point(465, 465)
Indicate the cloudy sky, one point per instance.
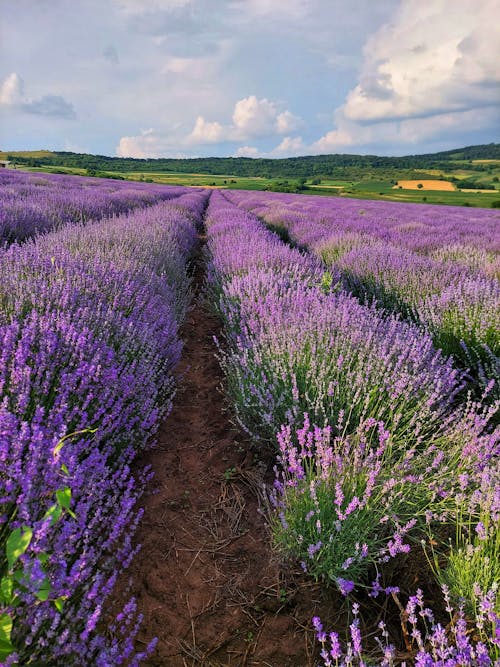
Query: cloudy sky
point(153, 78)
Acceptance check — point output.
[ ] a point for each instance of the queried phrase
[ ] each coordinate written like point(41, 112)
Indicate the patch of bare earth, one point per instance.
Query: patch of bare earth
point(206, 579)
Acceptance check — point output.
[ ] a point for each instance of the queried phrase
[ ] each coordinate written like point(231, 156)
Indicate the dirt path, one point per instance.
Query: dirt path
point(205, 579)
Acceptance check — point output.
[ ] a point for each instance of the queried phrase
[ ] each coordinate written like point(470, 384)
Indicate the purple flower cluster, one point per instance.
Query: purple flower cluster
point(292, 348)
point(437, 266)
point(375, 451)
point(32, 204)
point(422, 228)
point(89, 321)
point(431, 644)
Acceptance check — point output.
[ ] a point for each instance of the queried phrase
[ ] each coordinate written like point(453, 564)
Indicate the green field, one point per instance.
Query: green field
point(359, 178)
point(384, 190)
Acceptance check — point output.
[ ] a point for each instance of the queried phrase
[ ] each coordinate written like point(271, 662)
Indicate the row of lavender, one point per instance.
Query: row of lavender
point(32, 204)
point(470, 236)
point(89, 319)
point(375, 460)
point(441, 272)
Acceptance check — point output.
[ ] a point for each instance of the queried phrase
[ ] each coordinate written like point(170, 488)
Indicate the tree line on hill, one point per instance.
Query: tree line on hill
point(297, 167)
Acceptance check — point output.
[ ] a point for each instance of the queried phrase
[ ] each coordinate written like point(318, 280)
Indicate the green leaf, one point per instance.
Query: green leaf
point(44, 591)
point(59, 603)
point(64, 497)
point(58, 447)
point(64, 469)
point(19, 540)
point(53, 513)
point(6, 648)
point(6, 589)
point(62, 441)
point(5, 626)
point(19, 576)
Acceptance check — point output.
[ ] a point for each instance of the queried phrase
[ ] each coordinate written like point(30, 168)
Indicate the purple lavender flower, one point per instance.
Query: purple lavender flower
point(88, 339)
point(345, 586)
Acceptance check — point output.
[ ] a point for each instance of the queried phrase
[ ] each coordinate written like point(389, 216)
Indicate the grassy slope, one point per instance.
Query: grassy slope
point(364, 183)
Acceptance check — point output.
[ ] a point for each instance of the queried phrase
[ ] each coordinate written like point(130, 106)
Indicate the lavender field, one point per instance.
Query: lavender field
point(358, 344)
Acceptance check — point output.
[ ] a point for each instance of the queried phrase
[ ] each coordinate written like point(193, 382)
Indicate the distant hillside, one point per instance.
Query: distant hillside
point(298, 167)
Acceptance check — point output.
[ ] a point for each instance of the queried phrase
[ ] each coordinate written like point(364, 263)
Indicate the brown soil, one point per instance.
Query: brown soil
point(206, 579)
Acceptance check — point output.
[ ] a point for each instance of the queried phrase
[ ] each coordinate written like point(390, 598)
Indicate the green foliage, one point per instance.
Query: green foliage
point(15, 571)
point(298, 167)
point(229, 473)
point(286, 186)
point(359, 176)
point(17, 543)
point(311, 518)
point(473, 560)
point(472, 184)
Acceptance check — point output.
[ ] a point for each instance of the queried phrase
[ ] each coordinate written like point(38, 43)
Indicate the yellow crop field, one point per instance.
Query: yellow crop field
point(425, 185)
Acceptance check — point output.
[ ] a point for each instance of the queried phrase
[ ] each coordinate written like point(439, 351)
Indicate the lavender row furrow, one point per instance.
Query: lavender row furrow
point(89, 321)
point(374, 456)
point(374, 256)
point(422, 228)
point(32, 204)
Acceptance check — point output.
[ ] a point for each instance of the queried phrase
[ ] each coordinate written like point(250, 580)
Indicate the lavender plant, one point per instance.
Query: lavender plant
point(292, 348)
point(32, 204)
point(429, 642)
point(409, 259)
point(385, 451)
point(88, 338)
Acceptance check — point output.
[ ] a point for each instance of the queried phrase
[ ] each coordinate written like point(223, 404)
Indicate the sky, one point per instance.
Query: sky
point(272, 78)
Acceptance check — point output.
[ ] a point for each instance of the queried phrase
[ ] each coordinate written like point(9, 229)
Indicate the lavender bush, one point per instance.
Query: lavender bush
point(429, 642)
point(422, 228)
point(386, 457)
point(292, 348)
point(346, 504)
point(88, 339)
point(31, 204)
point(409, 259)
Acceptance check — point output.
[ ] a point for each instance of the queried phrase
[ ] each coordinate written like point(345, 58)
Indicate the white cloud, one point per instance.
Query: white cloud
point(253, 117)
point(293, 10)
point(179, 65)
point(408, 134)
point(345, 134)
point(203, 67)
point(433, 67)
point(247, 151)
point(205, 132)
point(180, 59)
point(135, 7)
point(12, 90)
point(290, 146)
point(433, 57)
point(12, 95)
point(286, 122)
point(150, 144)
point(141, 146)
